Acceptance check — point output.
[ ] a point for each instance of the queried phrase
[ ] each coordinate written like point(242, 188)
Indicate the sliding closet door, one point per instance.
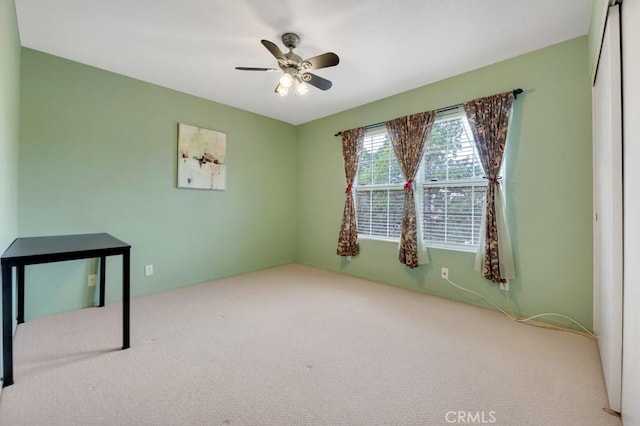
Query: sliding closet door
point(607, 185)
point(631, 89)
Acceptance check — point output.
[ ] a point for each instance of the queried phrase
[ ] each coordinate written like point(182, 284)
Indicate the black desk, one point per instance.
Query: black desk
point(33, 250)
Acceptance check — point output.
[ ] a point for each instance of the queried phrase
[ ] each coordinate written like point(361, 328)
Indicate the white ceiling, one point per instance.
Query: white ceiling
point(385, 46)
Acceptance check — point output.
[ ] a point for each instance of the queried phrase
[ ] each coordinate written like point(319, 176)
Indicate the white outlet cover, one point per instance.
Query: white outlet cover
point(444, 273)
point(148, 270)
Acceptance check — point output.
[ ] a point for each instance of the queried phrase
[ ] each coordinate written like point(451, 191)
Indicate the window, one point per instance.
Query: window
point(450, 186)
point(379, 188)
point(453, 185)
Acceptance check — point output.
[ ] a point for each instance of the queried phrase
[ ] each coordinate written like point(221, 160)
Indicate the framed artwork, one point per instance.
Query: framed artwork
point(202, 158)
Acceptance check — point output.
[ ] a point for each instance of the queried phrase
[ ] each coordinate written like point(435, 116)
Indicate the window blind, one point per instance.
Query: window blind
point(380, 186)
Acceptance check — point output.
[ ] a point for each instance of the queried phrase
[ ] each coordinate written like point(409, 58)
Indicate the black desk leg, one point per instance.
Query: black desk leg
point(103, 261)
point(7, 325)
point(126, 294)
point(20, 283)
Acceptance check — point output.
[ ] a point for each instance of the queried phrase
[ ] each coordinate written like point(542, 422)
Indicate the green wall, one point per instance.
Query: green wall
point(548, 186)
point(98, 154)
point(9, 108)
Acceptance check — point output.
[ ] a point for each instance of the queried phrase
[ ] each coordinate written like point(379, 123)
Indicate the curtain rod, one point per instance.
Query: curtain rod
point(516, 92)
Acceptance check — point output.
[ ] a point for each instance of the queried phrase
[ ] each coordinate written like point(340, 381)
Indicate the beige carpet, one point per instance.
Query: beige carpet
point(296, 345)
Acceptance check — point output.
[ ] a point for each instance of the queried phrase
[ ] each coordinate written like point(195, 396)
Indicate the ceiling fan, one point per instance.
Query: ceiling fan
point(295, 70)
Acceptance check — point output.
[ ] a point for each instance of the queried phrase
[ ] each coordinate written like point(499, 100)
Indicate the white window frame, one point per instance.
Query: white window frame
point(456, 183)
point(371, 188)
point(376, 187)
point(472, 182)
point(420, 185)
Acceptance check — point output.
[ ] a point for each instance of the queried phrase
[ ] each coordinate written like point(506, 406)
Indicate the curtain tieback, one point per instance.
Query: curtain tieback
point(494, 179)
point(407, 186)
point(348, 190)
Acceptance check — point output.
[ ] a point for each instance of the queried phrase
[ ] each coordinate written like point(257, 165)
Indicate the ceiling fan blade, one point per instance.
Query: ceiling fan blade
point(256, 69)
point(317, 81)
point(275, 50)
point(325, 60)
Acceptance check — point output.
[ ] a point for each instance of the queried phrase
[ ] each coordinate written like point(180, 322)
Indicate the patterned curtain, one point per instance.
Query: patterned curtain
point(409, 139)
point(489, 119)
point(351, 149)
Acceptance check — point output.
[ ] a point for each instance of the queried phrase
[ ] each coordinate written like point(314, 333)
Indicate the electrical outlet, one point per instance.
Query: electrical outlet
point(444, 273)
point(92, 280)
point(148, 270)
point(504, 286)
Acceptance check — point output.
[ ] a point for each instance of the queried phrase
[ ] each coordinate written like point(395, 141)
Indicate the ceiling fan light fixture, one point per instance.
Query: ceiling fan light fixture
point(301, 87)
point(288, 76)
point(282, 90)
point(286, 80)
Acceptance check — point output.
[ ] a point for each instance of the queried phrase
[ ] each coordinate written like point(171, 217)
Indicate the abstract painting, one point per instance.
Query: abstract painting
point(202, 158)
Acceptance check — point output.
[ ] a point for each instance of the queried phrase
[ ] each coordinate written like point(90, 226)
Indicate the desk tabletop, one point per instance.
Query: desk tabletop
point(61, 244)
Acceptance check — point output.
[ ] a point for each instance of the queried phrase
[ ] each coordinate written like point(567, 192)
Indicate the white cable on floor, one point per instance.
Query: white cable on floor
point(551, 314)
point(525, 320)
point(479, 295)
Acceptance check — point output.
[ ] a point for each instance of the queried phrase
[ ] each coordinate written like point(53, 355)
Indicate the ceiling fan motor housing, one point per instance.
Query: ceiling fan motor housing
point(290, 40)
point(290, 60)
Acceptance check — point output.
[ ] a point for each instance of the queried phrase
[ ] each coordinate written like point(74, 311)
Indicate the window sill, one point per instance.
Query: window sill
point(452, 247)
point(378, 238)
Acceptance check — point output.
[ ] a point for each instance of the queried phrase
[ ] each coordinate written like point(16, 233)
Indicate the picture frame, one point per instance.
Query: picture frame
point(202, 158)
